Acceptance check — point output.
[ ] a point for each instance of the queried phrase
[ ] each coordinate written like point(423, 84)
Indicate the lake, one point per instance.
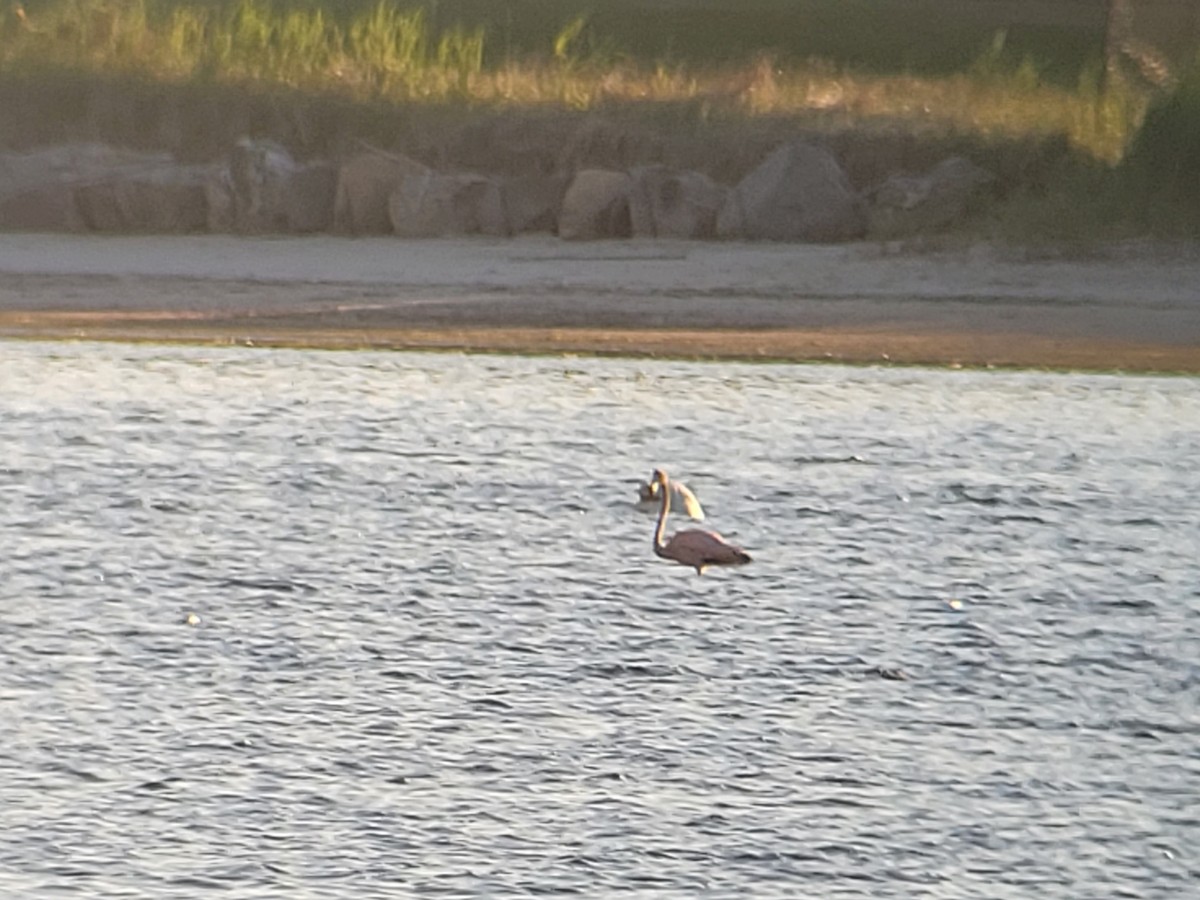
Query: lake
point(317, 624)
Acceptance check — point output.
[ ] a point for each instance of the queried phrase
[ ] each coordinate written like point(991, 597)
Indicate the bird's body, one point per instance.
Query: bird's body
point(694, 547)
point(681, 498)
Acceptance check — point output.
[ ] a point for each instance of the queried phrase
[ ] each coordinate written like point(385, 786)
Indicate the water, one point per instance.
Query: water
point(295, 624)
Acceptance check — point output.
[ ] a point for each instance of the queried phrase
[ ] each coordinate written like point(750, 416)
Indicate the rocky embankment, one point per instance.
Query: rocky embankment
point(798, 193)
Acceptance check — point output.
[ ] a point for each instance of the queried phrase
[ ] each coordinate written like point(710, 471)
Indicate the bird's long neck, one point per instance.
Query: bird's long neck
point(664, 488)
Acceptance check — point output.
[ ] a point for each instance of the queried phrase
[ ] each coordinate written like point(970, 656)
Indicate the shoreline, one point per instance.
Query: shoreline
point(1135, 310)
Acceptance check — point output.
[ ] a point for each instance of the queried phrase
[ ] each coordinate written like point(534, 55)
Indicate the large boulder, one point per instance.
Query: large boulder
point(532, 202)
point(308, 198)
point(38, 188)
point(663, 203)
point(46, 207)
point(260, 169)
point(299, 201)
point(263, 189)
point(798, 193)
point(218, 197)
point(433, 204)
point(596, 205)
point(913, 204)
point(155, 199)
point(364, 188)
point(69, 164)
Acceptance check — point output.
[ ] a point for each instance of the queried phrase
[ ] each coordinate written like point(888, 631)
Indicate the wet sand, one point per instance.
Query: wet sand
point(1130, 308)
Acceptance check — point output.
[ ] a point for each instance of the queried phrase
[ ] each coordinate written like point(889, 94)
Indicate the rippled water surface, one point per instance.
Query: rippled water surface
point(297, 624)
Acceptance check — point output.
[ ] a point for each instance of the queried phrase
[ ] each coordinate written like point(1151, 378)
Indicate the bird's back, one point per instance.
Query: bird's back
point(699, 547)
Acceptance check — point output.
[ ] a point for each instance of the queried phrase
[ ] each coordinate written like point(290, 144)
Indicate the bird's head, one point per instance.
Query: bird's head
point(658, 478)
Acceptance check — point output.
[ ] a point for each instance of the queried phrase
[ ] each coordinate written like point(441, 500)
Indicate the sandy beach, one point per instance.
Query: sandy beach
point(1131, 308)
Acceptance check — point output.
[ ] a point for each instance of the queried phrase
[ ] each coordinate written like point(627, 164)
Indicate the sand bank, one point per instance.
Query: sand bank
point(1136, 309)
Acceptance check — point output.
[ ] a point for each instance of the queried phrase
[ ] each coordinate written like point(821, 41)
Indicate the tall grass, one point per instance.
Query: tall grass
point(383, 52)
point(386, 52)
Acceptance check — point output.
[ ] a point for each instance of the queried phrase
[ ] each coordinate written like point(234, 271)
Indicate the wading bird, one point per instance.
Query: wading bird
point(681, 497)
point(695, 547)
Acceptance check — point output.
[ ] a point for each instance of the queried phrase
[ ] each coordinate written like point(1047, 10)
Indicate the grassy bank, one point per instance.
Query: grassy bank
point(689, 80)
point(958, 77)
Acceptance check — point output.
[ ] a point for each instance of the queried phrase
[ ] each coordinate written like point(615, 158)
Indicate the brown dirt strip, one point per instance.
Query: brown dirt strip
point(832, 344)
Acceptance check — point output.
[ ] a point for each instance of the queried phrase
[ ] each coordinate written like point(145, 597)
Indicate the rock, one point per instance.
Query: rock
point(432, 204)
point(38, 188)
point(308, 198)
point(532, 202)
point(596, 205)
point(49, 207)
point(364, 187)
point(263, 189)
point(941, 197)
point(68, 164)
point(158, 199)
point(798, 193)
point(259, 171)
point(670, 204)
point(218, 197)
